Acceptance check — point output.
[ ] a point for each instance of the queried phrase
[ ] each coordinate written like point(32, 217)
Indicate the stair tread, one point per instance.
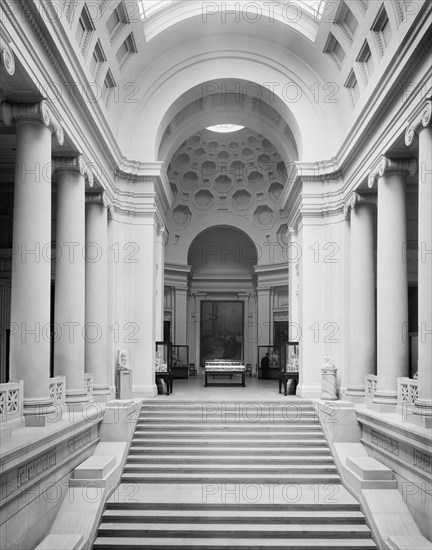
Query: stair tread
point(236, 527)
point(255, 458)
point(266, 543)
point(269, 514)
point(244, 467)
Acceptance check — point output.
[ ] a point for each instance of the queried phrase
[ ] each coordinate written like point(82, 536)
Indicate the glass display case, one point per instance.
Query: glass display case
point(269, 362)
point(163, 357)
point(163, 367)
point(290, 357)
point(180, 361)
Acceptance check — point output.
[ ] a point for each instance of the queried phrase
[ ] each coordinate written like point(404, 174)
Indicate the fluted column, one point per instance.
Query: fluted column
point(160, 259)
point(422, 126)
point(69, 301)
point(362, 295)
point(294, 255)
point(31, 258)
point(392, 280)
point(96, 293)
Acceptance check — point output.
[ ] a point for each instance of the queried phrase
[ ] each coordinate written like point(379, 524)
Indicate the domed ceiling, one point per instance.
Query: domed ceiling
point(239, 173)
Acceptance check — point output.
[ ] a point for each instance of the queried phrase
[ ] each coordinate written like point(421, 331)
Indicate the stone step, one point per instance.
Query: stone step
point(211, 530)
point(284, 435)
point(236, 516)
point(210, 467)
point(156, 416)
point(216, 442)
point(169, 458)
point(330, 504)
point(269, 452)
point(208, 426)
point(110, 543)
point(229, 477)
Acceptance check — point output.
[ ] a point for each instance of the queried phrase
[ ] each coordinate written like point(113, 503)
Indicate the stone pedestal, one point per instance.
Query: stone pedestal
point(329, 383)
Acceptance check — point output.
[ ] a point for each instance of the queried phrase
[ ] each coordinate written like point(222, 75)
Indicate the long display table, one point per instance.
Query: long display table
point(224, 368)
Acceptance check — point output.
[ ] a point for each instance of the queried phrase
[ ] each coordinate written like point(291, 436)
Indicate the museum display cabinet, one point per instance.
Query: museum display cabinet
point(180, 361)
point(289, 371)
point(223, 373)
point(275, 357)
point(163, 365)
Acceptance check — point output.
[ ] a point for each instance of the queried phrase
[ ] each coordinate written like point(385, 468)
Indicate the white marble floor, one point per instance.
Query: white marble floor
point(192, 389)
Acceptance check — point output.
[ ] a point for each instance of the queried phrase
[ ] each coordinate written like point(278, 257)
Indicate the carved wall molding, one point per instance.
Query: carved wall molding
point(74, 164)
point(385, 442)
point(15, 113)
point(386, 166)
point(422, 120)
point(7, 56)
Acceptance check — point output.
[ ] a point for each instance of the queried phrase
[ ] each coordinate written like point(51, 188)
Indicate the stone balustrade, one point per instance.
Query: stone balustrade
point(371, 381)
point(57, 390)
point(11, 401)
point(407, 390)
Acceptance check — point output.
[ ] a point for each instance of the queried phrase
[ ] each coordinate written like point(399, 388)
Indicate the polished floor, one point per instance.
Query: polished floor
point(192, 389)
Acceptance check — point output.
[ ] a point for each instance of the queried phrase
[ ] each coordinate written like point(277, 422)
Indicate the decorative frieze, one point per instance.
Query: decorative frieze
point(422, 120)
point(36, 467)
point(79, 441)
point(422, 461)
point(385, 442)
point(386, 165)
point(15, 113)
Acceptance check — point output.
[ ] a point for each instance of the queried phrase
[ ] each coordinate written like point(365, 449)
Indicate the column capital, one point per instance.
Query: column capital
point(385, 166)
point(7, 56)
point(101, 198)
point(14, 113)
point(355, 200)
point(73, 164)
point(422, 120)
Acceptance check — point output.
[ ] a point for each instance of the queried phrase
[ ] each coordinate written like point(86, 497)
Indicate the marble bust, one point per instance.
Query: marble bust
point(123, 361)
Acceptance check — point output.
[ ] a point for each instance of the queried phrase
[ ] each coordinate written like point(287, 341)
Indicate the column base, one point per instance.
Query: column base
point(355, 394)
point(37, 411)
point(383, 401)
point(145, 391)
point(423, 408)
point(76, 400)
point(101, 394)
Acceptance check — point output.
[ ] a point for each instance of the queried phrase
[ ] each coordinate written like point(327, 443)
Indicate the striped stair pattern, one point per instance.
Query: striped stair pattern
point(255, 478)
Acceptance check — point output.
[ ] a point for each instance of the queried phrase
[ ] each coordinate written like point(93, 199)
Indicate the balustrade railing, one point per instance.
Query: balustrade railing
point(57, 389)
point(11, 401)
point(407, 390)
point(88, 384)
point(370, 385)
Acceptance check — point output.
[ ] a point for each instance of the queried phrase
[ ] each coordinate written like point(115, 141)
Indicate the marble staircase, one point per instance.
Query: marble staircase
point(257, 477)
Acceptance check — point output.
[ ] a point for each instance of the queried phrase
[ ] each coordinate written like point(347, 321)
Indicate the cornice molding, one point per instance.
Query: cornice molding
point(16, 113)
point(355, 200)
point(73, 164)
point(386, 166)
point(7, 56)
point(421, 120)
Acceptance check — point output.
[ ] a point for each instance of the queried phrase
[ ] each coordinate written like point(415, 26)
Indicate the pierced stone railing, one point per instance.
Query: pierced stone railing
point(407, 390)
point(11, 401)
point(88, 384)
point(57, 390)
point(370, 385)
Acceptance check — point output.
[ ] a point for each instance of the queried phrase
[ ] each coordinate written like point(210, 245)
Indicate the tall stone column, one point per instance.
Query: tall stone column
point(392, 280)
point(160, 262)
point(422, 126)
point(362, 296)
point(181, 294)
point(294, 255)
point(69, 302)
point(31, 259)
point(96, 293)
point(263, 316)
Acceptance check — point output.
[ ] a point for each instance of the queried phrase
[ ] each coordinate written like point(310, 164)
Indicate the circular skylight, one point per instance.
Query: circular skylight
point(225, 128)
